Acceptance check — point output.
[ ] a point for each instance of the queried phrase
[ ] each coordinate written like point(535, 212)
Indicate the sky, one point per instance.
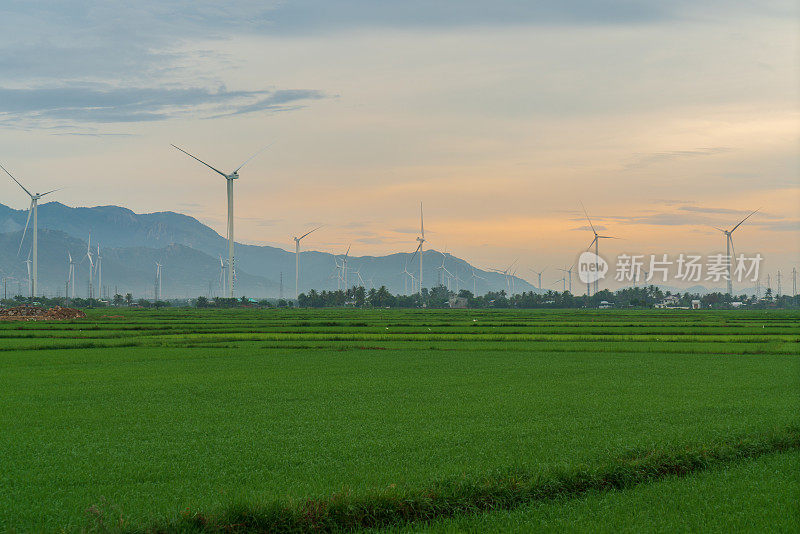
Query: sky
point(663, 118)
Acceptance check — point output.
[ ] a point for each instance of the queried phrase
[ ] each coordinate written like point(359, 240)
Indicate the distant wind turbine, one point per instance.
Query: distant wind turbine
point(421, 239)
point(158, 281)
point(539, 274)
point(475, 277)
point(91, 266)
point(595, 242)
point(34, 274)
point(569, 274)
point(230, 178)
point(297, 260)
point(99, 270)
point(71, 274)
point(729, 247)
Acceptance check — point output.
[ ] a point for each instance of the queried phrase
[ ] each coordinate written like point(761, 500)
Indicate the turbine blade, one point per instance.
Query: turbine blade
point(588, 219)
point(415, 252)
point(254, 155)
point(312, 231)
point(25, 231)
point(19, 184)
point(51, 191)
point(201, 161)
point(421, 222)
point(743, 220)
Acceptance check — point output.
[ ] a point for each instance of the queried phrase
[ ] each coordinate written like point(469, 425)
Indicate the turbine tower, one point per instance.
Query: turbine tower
point(230, 178)
point(33, 209)
point(297, 261)
point(99, 271)
point(729, 248)
point(595, 242)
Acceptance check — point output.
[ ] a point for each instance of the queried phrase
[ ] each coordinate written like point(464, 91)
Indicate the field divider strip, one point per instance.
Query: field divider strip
point(501, 490)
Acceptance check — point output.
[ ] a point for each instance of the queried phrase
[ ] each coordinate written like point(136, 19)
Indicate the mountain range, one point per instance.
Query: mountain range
point(190, 252)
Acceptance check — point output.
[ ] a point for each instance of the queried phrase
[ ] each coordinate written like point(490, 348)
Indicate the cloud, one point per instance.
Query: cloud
point(106, 103)
point(654, 158)
point(277, 101)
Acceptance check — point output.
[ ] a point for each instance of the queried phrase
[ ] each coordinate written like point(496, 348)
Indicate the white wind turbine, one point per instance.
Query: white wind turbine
point(564, 282)
point(539, 274)
point(506, 274)
point(729, 247)
point(568, 272)
point(421, 239)
point(71, 275)
point(221, 275)
point(229, 178)
point(297, 260)
point(344, 266)
point(475, 277)
point(595, 242)
point(30, 280)
point(91, 266)
point(410, 276)
point(99, 271)
point(443, 272)
point(158, 281)
point(34, 274)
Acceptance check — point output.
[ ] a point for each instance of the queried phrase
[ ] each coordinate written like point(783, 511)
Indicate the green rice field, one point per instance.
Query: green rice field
point(389, 420)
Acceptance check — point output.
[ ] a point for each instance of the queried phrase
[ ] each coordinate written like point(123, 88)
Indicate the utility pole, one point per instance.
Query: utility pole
point(778, 294)
point(794, 281)
point(280, 291)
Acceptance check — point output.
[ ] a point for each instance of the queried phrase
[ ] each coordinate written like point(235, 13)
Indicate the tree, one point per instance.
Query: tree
point(118, 300)
point(128, 298)
point(202, 302)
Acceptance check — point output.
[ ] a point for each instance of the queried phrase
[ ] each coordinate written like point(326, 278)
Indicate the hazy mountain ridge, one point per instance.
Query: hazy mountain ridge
point(131, 243)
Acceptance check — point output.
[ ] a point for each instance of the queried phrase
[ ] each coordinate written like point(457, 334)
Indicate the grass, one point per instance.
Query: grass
point(757, 495)
point(213, 410)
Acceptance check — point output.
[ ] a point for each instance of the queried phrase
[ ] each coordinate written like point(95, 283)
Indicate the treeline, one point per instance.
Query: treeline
point(441, 297)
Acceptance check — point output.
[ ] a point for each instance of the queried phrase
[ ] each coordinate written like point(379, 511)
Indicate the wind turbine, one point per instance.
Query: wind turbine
point(158, 281)
point(91, 266)
point(569, 273)
point(230, 178)
point(729, 247)
point(564, 280)
point(443, 270)
point(99, 270)
point(71, 274)
point(410, 276)
point(475, 277)
point(30, 280)
point(221, 274)
point(595, 242)
point(344, 268)
point(297, 261)
point(539, 273)
point(421, 239)
point(34, 209)
point(505, 272)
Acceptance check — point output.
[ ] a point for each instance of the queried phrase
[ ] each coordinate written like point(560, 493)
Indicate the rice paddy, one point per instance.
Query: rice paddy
point(181, 420)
